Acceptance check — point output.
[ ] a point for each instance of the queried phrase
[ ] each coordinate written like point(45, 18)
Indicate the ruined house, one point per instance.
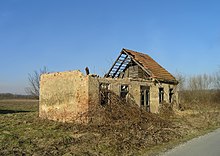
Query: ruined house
point(64, 96)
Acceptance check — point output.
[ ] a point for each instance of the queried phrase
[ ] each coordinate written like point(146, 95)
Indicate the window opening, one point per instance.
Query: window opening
point(161, 95)
point(145, 97)
point(171, 95)
point(124, 91)
point(104, 93)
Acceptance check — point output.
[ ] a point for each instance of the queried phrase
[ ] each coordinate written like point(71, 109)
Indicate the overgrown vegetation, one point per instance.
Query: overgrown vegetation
point(119, 128)
point(120, 132)
point(199, 90)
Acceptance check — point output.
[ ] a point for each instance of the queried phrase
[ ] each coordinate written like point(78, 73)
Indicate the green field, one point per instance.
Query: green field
point(23, 133)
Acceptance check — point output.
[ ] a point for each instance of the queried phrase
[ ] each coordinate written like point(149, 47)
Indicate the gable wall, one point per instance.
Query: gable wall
point(134, 71)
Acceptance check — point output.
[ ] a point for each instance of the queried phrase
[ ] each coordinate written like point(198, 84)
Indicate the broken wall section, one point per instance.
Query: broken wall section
point(134, 91)
point(64, 96)
point(115, 85)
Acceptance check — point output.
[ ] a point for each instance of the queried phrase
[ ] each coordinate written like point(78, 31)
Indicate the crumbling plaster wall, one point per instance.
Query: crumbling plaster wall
point(155, 95)
point(64, 96)
point(134, 90)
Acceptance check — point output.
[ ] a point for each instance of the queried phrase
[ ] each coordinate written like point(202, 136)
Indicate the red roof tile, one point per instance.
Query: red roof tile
point(150, 65)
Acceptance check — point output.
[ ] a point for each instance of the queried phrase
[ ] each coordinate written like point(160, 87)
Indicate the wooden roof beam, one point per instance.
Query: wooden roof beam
point(148, 72)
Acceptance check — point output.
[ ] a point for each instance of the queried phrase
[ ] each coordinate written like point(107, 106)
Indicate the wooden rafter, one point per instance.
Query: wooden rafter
point(119, 65)
point(148, 72)
point(108, 74)
point(146, 63)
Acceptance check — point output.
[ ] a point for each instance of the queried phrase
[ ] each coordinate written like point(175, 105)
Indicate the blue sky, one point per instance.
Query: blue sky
point(181, 35)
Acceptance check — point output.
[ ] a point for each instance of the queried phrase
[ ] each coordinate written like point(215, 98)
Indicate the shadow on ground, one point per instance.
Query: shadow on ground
point(12, 111)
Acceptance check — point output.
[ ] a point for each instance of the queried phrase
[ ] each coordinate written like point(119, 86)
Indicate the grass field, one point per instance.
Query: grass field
point(23, 133)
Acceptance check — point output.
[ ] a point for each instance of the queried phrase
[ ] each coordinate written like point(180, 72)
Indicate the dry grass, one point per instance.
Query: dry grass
point(117, 129)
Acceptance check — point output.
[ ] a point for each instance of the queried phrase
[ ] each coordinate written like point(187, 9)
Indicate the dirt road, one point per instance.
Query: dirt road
point(207, 145)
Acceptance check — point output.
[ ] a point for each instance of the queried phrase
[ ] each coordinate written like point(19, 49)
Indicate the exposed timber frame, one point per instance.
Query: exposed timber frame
point(121, 64)
point(125, 58)
point(140, 65)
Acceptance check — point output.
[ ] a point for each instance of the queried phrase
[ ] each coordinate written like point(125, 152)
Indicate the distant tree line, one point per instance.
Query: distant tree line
point(200, 88)
point(199, 82)
point(4, 96)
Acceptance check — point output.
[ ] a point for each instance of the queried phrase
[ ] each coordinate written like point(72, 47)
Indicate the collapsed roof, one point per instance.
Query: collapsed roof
point(145, 62)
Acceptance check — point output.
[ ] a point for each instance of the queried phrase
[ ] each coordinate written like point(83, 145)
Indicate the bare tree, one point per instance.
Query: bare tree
point(34, 82)
point(217, 80)
point(181, 79)
point(200, 82)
